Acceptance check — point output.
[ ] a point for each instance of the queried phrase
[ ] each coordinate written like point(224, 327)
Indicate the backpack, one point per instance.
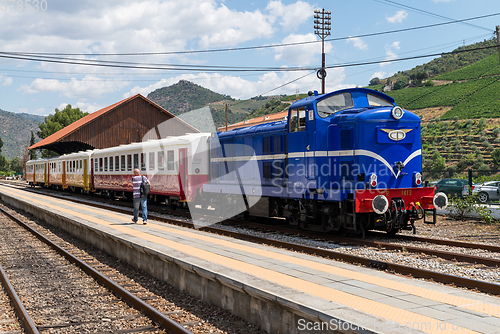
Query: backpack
point(144, 188)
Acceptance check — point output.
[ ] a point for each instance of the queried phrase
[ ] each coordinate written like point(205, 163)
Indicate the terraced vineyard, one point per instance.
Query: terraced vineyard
point(474, 92)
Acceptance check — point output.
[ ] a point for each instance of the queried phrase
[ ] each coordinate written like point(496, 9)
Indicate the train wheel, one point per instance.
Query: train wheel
point(393, 231)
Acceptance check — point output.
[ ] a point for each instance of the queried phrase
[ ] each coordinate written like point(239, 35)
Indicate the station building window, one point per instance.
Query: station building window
point(117, 163)
point(105, 164)
point(101, 164)
point(111, 163)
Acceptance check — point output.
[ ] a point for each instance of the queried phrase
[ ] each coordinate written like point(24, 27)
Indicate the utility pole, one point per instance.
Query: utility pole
point(226, 117)
point(498, 41)
point(322, 27)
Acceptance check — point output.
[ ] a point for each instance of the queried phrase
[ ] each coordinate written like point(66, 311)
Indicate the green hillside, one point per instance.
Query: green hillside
point(15, 132)
point(473, 92)
point(185, 96)
point(448, 63)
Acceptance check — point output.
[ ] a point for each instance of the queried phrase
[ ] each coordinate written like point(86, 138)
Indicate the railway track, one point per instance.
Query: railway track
point(61, 292)
point(492, 260)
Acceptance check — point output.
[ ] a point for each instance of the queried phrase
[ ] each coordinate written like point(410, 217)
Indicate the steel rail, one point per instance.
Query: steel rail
point(455, 243)
point(165, 322)
point(491, 262)
point(482, 286)
point(22, 314)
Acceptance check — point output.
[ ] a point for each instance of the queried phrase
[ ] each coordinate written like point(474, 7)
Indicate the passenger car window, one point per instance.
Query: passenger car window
point(170, 160)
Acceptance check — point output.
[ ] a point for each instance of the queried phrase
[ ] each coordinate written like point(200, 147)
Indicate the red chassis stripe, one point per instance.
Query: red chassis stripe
point(424, 196)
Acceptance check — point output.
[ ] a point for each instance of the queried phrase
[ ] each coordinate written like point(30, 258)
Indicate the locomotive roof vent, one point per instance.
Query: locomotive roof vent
point(397, 112)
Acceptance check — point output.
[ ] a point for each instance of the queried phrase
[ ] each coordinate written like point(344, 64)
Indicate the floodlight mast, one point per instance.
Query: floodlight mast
point(322, 27)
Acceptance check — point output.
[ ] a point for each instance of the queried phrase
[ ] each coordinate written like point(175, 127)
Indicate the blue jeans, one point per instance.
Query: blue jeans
point(143, 203)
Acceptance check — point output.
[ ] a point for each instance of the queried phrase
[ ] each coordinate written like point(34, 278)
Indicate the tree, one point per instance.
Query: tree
point(60, 119)
point(33, 155)
point(57, 121)
point(495, 156)
point(438, 162)
point(400, 84)
point(375, 81)
point(1, 145)
point(4, 164)
point(16, 165)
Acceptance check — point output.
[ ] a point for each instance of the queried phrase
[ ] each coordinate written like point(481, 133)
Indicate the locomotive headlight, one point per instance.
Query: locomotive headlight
point(380, 204)
point(397, 112)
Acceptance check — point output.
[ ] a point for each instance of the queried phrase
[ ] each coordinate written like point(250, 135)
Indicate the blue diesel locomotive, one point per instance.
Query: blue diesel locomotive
point(349, 159)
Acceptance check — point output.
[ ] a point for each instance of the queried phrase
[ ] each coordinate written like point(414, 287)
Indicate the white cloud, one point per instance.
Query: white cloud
point(390, 52)
point(291, 16)
point(5, 81)
point(380, 75)
point(398, 17)
point(358, 43)
point(302, 54)
point(240, 88)
point(87, 88)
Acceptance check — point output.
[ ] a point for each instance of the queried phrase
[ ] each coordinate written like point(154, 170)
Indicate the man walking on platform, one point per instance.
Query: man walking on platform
point(139, 198)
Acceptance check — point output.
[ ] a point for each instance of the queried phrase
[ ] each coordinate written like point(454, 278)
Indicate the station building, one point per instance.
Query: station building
point(134, 119)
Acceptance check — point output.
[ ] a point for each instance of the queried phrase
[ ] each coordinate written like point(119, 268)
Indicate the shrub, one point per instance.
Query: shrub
point(495, 156)
point(496, 131)
point(460, 207)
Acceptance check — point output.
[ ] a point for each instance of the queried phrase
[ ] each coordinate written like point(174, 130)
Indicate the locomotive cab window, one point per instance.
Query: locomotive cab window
point(292, 124)
point(334, 104)
point(375, 101)
point(302, 119)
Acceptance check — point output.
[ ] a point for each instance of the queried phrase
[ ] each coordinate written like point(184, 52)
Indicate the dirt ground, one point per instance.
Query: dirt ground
point(470, 230)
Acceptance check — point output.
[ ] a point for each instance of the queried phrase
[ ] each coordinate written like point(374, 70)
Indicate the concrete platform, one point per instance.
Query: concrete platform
point(280, 290)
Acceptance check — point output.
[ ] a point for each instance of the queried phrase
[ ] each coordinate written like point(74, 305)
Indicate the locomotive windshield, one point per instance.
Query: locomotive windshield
point(376, 101)
point(334, 104)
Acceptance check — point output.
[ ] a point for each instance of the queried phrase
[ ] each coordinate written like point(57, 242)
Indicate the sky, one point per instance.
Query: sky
point(160, 34)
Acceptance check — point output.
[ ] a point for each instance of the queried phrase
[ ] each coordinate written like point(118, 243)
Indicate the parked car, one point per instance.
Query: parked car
point(486, 191)
point(451, 187)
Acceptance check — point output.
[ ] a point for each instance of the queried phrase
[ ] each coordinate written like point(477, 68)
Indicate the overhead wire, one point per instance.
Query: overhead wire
point(394, 3)
point(260, 46)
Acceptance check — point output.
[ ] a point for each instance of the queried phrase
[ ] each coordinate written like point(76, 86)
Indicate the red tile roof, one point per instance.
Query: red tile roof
point(257, 120)
point(82, 121)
